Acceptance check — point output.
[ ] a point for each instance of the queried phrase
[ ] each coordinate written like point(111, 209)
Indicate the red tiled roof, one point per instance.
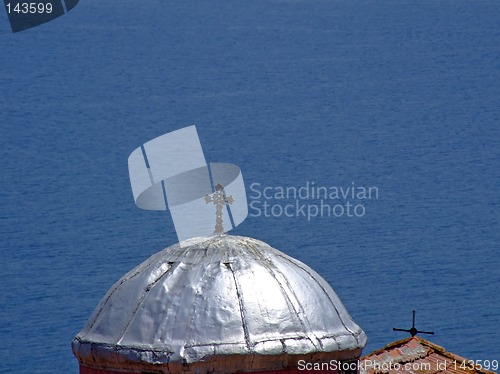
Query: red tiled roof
point(417, 356)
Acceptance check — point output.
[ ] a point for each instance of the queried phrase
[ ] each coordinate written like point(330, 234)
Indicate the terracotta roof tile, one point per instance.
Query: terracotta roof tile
point(416, 356)
point(412, 343)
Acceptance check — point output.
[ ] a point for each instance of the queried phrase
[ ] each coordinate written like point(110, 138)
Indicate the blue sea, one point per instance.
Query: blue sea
point(399, 95)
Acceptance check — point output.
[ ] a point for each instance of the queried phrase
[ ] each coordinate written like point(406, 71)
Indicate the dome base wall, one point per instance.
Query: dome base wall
point(286, 364)
point(87, 370)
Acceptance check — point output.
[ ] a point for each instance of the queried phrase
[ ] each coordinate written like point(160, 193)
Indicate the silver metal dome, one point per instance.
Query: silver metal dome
point(216, 297)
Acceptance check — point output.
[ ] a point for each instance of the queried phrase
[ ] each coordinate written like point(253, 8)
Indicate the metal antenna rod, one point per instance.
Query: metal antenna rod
point(413, 331)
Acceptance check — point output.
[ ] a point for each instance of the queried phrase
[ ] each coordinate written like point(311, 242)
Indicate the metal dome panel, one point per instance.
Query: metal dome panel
point(222, 295)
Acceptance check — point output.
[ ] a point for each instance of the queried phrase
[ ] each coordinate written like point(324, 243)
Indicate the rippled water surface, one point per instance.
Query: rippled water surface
point(399, 95)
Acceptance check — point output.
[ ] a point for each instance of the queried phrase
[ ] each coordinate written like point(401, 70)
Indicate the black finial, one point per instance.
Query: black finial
point(413, 331)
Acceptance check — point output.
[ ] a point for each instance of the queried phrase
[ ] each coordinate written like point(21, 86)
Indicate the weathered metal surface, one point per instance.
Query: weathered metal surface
point(216, 297)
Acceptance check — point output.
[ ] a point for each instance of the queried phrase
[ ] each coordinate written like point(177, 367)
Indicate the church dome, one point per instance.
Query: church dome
point(219, 304)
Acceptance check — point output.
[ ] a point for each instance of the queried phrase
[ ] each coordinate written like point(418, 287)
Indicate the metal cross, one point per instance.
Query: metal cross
point(413, 331)
point(219, 199)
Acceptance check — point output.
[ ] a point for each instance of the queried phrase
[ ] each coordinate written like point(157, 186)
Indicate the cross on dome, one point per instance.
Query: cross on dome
point(219, 199)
